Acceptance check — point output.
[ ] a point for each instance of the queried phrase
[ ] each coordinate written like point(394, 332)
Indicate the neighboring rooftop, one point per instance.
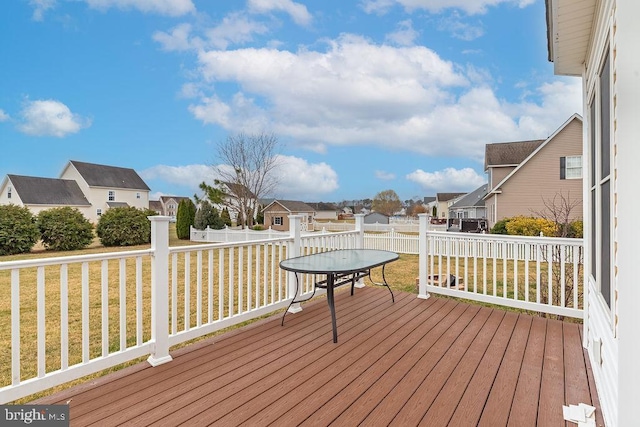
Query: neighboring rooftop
point(48, 191)
point(509, 153)
point(473, 199)
point(444, 197)
point(322, 206)
point(293, 205)
point(109, 176)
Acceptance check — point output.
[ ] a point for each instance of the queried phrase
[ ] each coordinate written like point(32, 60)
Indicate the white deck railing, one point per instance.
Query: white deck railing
point(78, 315)
point(68, 317)
point(542, 274)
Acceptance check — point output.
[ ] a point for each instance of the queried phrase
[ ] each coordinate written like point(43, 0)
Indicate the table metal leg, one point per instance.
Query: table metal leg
point(332, 307)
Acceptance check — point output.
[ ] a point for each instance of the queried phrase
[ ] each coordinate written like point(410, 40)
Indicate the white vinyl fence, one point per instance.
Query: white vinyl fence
point(68, 317)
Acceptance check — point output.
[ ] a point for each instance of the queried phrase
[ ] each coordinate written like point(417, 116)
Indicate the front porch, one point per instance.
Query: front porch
point(433, 362)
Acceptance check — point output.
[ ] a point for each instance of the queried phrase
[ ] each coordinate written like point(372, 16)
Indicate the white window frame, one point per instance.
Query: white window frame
point(573, 167)
point(138, 195)
point(8, 192)
point(278, 220)
point(111, 196)
point(99, 212)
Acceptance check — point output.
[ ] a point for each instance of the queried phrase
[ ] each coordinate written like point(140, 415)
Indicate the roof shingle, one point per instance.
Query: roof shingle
point(34, 190)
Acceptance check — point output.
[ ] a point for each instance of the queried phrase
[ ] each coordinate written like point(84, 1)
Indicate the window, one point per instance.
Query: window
point(98, 212)
point(571, 167)
point(8, 192)
point(137, 195)
point(600, 181)
point(112, 196)
point(277, 220)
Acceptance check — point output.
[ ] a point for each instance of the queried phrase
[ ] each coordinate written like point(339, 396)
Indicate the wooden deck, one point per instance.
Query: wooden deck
point(434, 362)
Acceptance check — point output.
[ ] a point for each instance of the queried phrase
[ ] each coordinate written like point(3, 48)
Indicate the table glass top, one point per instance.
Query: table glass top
point(339, 261)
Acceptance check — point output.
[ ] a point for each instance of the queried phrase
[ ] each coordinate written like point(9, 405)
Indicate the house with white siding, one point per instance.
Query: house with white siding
point(107, 186)
point(91, 188)
point(598, 42)
point(38, 194)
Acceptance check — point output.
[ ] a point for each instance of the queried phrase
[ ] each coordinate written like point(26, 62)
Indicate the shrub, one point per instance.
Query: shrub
point(185, 218)
point(576, 229)
point(64, 229)
point(207, 216)
point(125, 226)
point(528, 226)
point(18, 230)
point(500, 227)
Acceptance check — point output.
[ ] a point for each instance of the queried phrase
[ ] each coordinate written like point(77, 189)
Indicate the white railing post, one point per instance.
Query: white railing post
point(422, 255)
point(359, 241)
point(295, 222)
point(360, 230)
point(159, 290)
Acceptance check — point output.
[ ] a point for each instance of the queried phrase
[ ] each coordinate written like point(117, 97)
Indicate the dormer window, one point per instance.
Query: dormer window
point(112, 196)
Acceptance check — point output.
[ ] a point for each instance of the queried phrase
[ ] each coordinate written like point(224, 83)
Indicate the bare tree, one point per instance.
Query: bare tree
point(386, 202)
point(559, 210)
point(245, 175)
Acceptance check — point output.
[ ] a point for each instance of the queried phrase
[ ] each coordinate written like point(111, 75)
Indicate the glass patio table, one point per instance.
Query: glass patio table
point(341, 267)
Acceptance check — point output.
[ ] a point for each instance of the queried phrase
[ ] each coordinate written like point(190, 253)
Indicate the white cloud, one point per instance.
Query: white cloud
point(40, 7)
point(297, 11)
point(356, 92)
point(447, 180)
point(405, 35)
point(387, 176)
point(460, 29)
point(50, 118)
point(187, 176)
point(3, 116)
point(470, 7)
point(161, 7)
point(299, 179)
point(235, 28)
point(177, 39)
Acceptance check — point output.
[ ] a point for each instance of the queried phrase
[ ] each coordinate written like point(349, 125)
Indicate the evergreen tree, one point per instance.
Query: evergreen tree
point(226, 218)
point(207, 216)
point(185, 218)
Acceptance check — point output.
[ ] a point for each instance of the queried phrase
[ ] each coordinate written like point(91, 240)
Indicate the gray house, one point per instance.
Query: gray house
point(471, 205)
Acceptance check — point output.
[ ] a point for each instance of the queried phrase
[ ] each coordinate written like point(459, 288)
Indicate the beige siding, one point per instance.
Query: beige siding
point(4, 195)
point(538, 180)
point(498, 174)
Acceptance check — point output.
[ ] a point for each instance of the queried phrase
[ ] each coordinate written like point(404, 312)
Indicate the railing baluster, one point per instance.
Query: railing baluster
point(123, 303)
point(85, 313)
point(199, 288)
point(64, 317)
point(187, 291)
point(139, 302)
point(104, 271)
point(15, 326)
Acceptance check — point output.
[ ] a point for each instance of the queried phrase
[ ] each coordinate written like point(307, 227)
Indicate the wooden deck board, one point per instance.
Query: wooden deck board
point(440, 362)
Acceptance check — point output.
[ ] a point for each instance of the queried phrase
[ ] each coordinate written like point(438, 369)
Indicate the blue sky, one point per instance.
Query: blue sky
point(363, 96)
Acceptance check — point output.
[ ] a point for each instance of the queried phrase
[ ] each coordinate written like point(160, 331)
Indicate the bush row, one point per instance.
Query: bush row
point(65, 228)
point(530, 226)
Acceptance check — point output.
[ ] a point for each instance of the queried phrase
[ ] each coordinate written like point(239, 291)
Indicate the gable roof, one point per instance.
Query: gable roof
point(509, 153)
point(48, 191)
point(178, 199)
point(155, 205)
point(444, 197)
point(472, 199)
point(429, 199)
point(292, 205)
point(109, 176)
point(575, 116)
point(239, 190)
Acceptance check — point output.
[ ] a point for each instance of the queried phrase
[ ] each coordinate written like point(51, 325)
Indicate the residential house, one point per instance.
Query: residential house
point(107, 186)
point(39, 194)
point(235, 196)
point(525, 177)
point(470, 205)
point(442, 203)
point(170, 204)
point(325, 211)
point(376, 218)
point(156, 206)
point(598, 41)
point(276, 214)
